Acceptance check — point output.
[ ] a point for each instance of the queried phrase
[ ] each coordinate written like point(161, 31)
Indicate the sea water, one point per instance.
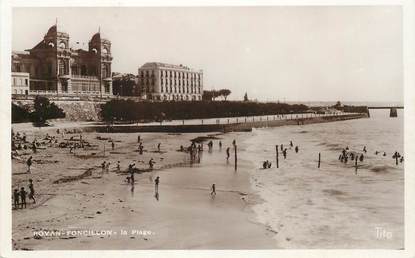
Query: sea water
point(333, 206)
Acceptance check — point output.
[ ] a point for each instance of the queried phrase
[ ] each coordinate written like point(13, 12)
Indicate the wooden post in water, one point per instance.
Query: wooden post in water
point(319, 159)
point(276, 149)
point(355, 165)
point(236, 156)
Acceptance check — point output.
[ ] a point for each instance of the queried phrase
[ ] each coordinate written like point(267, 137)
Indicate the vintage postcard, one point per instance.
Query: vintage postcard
point(262, 128)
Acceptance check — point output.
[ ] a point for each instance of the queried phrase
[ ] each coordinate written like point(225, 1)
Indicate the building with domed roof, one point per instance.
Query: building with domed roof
point(54, 68)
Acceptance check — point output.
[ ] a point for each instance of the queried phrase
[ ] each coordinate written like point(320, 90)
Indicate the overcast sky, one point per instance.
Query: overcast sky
point(273, 53)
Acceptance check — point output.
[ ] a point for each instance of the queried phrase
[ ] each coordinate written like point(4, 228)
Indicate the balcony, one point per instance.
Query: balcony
point(84, 77)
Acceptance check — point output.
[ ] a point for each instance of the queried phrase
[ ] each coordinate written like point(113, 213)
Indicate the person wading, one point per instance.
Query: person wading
point(213, 190)
point(156, 184)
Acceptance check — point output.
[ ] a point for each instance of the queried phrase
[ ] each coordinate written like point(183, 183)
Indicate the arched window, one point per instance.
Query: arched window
point(62, 44)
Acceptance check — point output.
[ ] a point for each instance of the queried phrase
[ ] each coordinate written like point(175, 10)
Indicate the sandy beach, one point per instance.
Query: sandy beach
point(184, 216)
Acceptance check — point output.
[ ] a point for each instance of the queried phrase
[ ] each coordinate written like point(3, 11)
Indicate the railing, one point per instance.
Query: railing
point(248, 119)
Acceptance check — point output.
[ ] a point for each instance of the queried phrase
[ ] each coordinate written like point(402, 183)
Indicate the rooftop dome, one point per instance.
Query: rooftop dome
point(52, 30)
point(96, 37)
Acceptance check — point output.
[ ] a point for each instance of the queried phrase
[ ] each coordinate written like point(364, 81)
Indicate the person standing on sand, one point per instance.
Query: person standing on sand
point(138, 139)
point(112, 145)
point(364, 149)
point(29, 164)
point(103, 165)
point(296, 149)
point(107, 167)
point(156, 184)
point(220, 145)
point(118, 167)
point(227, 154)
point(213, 190)
point(131, 171)
point(34, 147)
point(16, 197)
point(151, 163)
point(140, 148)
point(31, 191)
point(291, 143)
point(158, 147)
point(284, 152)
point(23, 197)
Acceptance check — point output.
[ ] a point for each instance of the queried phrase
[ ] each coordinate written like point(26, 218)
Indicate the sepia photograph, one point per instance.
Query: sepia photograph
point(206, 128)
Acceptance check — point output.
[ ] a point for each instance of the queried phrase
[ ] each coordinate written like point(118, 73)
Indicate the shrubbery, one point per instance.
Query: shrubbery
point(129, 110)
point(20, 114)
point(43, 110)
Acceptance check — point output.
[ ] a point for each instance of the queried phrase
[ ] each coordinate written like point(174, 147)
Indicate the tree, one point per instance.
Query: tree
point(44, 110)
point(337, 105)
point(246, 97)
point(224, 93)
point(209, 95)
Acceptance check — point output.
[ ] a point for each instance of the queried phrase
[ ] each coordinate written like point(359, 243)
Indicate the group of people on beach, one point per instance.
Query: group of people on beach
point(19, 196)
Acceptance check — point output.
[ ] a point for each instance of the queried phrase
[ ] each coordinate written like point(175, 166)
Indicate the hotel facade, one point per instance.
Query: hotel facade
point(53, 68)
point(163, 82)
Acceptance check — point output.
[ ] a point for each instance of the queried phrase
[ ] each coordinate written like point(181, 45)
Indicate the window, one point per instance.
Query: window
point(26, 82)
point(83, 70)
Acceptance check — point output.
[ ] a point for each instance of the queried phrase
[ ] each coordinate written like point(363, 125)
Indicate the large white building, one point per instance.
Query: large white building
point(159, 81)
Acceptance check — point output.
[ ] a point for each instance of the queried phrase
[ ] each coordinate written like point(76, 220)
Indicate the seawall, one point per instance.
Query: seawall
point(234, 127)
point(75, 110)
